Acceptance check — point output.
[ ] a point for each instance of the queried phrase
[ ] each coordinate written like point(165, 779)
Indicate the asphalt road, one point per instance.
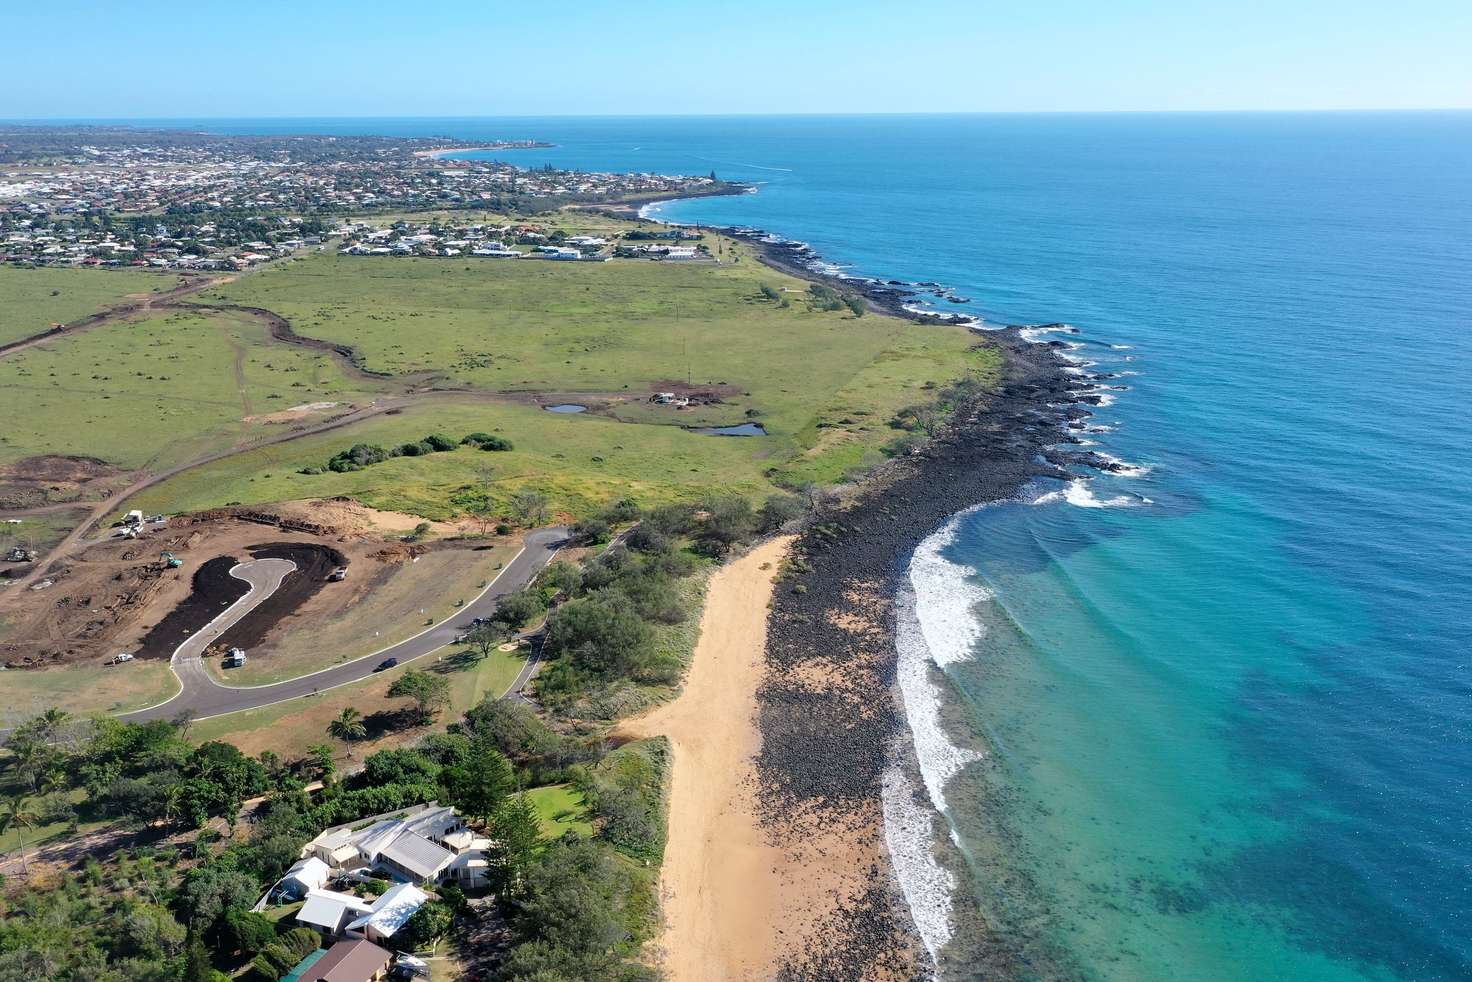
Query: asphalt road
point(201, 696)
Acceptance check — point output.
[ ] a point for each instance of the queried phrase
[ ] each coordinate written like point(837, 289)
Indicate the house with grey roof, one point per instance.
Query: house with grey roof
point(426, 844)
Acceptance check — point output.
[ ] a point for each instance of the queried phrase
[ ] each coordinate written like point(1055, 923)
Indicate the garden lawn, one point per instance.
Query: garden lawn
point(32, 299)
point(561, 809)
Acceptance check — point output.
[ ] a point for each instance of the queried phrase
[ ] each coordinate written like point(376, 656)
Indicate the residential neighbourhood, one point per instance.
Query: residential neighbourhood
point(520, 240)
point(204, 201)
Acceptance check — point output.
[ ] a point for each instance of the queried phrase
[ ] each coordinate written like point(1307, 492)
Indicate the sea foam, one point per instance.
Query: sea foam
point(935, 627)
point(1080, 495)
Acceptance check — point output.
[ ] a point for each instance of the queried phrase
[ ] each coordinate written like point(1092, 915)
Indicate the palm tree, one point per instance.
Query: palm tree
point(348, 726)
point(17, 815)
point(53, 720)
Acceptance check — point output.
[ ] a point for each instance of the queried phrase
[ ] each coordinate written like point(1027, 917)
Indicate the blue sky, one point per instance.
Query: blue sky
point(69, 58)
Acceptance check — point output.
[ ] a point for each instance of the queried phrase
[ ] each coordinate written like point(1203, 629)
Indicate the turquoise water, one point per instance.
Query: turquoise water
point(1227, 714)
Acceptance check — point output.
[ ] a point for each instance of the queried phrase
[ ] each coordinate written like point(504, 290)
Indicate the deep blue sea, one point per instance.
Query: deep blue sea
point(1225, 701)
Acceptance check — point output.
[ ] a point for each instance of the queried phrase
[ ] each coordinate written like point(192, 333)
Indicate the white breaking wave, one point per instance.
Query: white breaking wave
point(1080, 495)
point(926, 884)
point(1037, 334)
point(1124, 468)
point(935, 626)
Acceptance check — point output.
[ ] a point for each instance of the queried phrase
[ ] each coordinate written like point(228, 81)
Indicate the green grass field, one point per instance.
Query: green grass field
point(157, 391)
point(87, 688)
point(823, 384)
point(561, 809)
point(581, 461)
point(31, 300)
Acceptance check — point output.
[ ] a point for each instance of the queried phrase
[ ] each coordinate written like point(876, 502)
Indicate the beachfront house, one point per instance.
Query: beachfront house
point(426, 844)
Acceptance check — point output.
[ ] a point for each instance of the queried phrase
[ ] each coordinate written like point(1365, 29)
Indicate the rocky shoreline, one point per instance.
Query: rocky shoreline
point(826, 747)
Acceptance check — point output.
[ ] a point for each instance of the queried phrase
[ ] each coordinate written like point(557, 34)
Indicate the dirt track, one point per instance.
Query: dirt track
point(118, 312)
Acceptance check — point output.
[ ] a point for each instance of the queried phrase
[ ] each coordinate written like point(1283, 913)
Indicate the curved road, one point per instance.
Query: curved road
point(201, 697)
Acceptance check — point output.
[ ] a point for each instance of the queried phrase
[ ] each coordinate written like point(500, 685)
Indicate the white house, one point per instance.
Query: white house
point(425, 844)
point(388, 913)
point(304, 876)
point(329, 913)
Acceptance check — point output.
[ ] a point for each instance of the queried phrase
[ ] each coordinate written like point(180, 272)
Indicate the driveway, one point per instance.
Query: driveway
point(201, 696)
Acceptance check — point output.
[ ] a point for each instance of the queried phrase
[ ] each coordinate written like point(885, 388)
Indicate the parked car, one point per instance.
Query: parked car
point(387, 663)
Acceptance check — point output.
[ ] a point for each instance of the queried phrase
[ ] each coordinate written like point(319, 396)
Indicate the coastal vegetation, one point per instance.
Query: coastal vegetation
point(569, 874)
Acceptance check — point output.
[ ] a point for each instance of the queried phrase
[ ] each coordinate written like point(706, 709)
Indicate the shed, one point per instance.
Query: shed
point(305, 876)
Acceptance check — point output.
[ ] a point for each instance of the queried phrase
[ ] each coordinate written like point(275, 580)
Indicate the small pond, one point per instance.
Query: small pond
point(566, 407)
point(745, 429)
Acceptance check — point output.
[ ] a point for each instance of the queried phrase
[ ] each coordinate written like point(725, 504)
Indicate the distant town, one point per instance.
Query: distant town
point(120, 197)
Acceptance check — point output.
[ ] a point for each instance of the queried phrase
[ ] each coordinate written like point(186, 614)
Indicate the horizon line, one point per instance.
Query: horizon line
point(731, 115)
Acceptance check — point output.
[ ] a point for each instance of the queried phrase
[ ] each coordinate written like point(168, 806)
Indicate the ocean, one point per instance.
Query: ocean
point(1217, 707)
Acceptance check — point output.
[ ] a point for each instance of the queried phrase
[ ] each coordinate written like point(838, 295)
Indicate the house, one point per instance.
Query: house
point(425, 844)
point(388, 913)
point(304, 876)
point(329, 913)
point(679, 252)
point(350, 961)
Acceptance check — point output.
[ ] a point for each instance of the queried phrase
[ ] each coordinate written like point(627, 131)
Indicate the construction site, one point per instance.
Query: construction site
point(136, 591)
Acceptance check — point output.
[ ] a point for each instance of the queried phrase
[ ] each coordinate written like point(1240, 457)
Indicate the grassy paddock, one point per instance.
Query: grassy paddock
point(32, 299)
point(583, 462)
point(823, 384)
point(158, 390)
point(92, 688)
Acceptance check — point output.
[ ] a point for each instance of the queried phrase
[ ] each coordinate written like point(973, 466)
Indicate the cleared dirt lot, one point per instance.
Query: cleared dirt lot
point(117, 595)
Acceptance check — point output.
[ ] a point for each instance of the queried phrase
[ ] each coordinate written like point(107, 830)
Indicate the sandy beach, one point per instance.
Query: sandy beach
point(720, 884)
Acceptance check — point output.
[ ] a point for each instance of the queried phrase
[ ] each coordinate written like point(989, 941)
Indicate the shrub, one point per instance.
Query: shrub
point(672, 520)
point(440, 443)
point(357, 456)
point(647, 539)
point(591, 531)
point(488, 441)
point(604, 636)
point(778, 510)
point(420, 449)
point(249, 932)
point(622, 510)
point(516, 609)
